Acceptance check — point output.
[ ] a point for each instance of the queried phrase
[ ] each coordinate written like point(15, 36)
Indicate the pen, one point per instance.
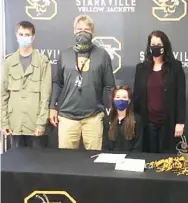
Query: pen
point(94, 155)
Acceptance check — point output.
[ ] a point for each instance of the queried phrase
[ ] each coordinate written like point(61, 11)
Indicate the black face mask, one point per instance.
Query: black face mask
point(157, 51)
point(83, 41)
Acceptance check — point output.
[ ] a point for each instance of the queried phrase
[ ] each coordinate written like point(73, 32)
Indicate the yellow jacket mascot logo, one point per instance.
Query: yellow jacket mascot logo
point(112, 46)
point(49, 197)
point(169, 10)
point(41, 9)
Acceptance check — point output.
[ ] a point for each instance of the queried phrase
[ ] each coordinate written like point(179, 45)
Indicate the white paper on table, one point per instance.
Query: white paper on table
point(110, 158)
point(136, 165)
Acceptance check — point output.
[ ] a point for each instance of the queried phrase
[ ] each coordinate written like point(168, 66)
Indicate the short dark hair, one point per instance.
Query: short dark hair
point(27, 25)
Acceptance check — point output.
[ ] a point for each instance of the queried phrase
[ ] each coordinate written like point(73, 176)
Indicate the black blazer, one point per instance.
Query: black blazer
point(174, 95)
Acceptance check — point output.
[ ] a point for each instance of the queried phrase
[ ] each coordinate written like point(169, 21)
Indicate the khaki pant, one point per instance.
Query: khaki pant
point(91, 130)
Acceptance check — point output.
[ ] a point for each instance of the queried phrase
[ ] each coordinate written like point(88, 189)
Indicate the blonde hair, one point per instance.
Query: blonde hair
point(86, 19)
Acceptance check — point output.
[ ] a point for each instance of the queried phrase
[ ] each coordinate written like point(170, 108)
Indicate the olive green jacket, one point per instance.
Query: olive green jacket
point(25, 95)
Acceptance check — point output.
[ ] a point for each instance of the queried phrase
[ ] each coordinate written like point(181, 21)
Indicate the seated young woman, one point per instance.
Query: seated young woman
point(125, 132)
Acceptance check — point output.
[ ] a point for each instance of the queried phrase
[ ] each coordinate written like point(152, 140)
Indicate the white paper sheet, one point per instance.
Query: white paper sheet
point(136, 165)
point(109, 158)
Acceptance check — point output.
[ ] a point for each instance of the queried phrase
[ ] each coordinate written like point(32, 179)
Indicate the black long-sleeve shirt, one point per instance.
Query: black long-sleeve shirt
point(97, 75)
point(122, 144)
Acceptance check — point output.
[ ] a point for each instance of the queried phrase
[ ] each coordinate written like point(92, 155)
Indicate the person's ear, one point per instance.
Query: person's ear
point(93, 34)
point(33, 37)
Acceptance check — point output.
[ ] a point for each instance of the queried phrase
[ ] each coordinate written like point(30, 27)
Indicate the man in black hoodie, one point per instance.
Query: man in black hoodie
point(83, 72)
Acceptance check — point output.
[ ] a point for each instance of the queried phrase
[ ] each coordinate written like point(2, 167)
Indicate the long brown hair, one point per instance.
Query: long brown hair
point(129, 121)
point(168, 54)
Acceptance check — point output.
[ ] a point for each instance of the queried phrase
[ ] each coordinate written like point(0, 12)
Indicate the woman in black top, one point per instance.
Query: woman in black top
point(125, 133)
point(159, 95)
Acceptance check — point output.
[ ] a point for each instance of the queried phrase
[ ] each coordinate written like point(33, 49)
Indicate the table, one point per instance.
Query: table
point(74, 176)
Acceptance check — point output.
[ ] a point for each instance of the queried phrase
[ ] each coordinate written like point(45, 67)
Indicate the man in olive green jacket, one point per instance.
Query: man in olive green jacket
point(26, 91)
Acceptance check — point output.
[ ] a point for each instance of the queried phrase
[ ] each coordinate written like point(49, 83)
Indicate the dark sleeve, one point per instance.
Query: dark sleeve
point(111, 145)
point(108, 76)
point(181, 95)
point(105, 141)
point(57, 83)
point(108, 145)
point(136, 97)
point(137, 146)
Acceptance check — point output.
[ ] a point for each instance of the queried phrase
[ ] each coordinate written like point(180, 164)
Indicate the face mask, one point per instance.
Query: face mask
point(24, 42)
point(157, 51)
point(83, 38)
point(121, 104)
point(83, 41)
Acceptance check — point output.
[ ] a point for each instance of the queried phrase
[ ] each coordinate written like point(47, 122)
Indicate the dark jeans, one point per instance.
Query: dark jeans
point(153, 138)
point(25, 141)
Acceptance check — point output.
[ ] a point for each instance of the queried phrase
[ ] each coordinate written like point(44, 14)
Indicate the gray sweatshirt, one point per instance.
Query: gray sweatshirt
point(98, 75)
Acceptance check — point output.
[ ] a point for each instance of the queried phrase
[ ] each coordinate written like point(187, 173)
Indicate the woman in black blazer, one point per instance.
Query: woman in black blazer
point(160, 95)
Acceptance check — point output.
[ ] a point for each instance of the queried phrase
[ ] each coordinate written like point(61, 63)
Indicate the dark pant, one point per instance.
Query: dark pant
point(25, 141)
point(153, 138)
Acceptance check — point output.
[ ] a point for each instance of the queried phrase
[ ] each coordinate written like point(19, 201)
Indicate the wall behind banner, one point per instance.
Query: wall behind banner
point(122, 27)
